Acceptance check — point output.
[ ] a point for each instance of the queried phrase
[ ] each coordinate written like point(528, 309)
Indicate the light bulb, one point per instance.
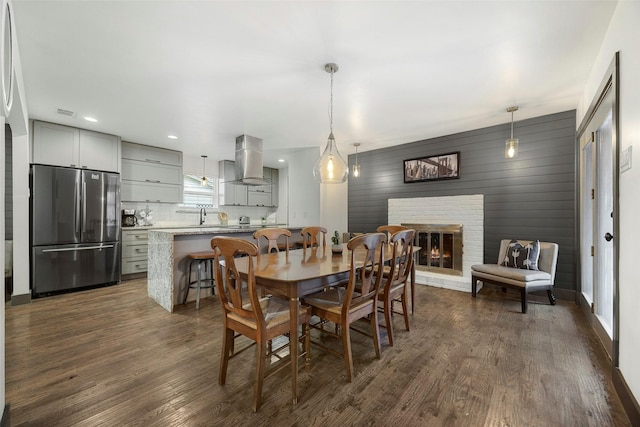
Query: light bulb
point(511, 152)
point(204, 181)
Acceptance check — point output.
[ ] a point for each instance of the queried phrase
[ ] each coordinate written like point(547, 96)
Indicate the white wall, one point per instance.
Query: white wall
point(304, 191)
point(623, 35)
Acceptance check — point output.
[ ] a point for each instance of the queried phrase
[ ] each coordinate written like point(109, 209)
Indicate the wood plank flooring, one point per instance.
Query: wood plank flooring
point(112, 357)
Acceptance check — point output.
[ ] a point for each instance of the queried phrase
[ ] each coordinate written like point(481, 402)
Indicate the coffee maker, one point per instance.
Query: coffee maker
point(129, 218)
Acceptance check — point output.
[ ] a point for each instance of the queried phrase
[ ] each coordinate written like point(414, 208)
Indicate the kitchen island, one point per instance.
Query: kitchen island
point(167, 262)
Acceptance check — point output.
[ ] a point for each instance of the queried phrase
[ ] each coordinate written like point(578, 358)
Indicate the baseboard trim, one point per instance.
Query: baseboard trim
point(21, 299)
point(5, 422)
point(629, 402)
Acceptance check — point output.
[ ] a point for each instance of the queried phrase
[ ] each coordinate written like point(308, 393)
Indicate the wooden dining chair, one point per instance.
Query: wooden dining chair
point(390, 230)
point(311, 236)
point(244, 313)
point(343, 305)
point(271, 235)
point(396, 279)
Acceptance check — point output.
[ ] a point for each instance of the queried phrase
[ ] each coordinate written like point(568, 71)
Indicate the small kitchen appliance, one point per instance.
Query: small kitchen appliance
point(244, 220)
point(129, 218)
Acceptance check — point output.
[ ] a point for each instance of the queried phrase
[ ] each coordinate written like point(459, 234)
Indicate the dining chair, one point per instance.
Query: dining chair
point(271, 235)
point(311, 236)
point(245, 314)
point(343, 305)
point(396, 279)
point(390, 230)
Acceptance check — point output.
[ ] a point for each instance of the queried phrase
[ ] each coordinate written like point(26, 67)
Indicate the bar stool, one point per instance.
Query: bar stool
point(203, 258)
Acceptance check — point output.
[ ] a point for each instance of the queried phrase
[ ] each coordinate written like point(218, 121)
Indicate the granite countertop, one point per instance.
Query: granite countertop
point(212, 229)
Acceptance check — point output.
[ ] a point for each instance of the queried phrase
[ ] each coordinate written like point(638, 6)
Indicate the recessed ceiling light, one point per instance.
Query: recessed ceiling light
point(91, 119)
point(281, 160)
point(172, 137)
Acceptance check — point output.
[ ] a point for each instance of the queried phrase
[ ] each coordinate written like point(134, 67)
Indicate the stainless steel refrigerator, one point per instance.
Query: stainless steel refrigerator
point(75, 228)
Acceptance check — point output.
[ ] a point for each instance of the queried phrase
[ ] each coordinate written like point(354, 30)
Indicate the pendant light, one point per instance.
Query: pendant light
point(204, 169)
point(356, 166)
point(331, 168)
point(511, 145)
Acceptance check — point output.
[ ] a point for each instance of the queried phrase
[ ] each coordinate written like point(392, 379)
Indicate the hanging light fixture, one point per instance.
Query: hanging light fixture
point(356, 166)
point(511, 145)
point(204, 169)
point(331, 168)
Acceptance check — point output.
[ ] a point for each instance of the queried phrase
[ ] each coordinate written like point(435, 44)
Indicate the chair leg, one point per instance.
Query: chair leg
point(227, 343)
point(552, 297)
point(375, 330)
point(346, 347)
point(403, 300)
point(388, 306)
point(187, 284)
point(198, 285)
point(307, 343)
point(261, 352)
point(523, 297)
point(474, 287)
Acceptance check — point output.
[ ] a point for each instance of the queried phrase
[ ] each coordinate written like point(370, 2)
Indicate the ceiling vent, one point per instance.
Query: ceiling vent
point(67, 113)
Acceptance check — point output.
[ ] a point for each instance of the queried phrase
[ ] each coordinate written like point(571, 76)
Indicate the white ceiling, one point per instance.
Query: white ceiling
point(208, 71)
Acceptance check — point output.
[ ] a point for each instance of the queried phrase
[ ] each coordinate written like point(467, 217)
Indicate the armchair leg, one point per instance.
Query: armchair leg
point(523, 294)
point(474, 286)
point(552, 297)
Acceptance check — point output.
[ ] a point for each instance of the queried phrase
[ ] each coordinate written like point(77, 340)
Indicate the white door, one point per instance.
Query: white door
point(597, 221)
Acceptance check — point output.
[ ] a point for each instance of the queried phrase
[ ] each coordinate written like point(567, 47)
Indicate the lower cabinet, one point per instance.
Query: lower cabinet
point(134, 251)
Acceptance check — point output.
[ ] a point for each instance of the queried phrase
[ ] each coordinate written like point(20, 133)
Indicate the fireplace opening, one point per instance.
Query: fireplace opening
point(441, 247)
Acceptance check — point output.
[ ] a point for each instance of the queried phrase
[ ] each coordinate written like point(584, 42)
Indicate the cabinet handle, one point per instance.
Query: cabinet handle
point(152, 161)
point(73, 166)
point(151, 180)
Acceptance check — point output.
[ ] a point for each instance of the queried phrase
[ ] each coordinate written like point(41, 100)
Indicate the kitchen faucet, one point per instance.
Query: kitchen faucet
point(203, 213)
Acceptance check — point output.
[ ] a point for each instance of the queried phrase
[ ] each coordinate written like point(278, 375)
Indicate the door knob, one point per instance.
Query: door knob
point(608, 237)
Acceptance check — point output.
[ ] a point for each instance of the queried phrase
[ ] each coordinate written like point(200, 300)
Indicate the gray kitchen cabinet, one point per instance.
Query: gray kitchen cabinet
point(137, 191)
point(146, 153)
point(134, 251)
point(230, 194)
point(258, 198)
point(151, 174)
point(59, 145)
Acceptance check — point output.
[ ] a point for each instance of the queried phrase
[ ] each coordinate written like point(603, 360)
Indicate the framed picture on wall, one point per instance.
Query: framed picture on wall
point(432, 168)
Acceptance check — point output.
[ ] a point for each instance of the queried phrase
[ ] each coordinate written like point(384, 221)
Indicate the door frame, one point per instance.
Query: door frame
point(610, 83)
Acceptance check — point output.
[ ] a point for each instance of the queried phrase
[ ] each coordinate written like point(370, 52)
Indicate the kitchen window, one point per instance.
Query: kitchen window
point(196, 195)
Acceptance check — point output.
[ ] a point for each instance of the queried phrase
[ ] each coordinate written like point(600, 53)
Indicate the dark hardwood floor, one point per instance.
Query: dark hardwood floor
point(112, 357)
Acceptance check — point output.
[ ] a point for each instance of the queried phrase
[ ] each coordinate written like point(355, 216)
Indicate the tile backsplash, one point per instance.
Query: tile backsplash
point(166, 214)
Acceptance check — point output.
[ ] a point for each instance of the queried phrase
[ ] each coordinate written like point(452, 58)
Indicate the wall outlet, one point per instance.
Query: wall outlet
point(625, 159)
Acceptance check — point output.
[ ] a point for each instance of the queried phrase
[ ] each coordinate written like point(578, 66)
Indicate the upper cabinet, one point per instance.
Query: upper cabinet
point(59, 145)
point(151, 174)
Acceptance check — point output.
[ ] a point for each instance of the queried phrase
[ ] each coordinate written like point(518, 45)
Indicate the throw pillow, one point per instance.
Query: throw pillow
point(523, 256)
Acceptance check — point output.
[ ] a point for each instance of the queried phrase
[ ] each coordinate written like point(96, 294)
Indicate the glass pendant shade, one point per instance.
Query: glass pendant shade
point(203, 181)
point(511, 148)
point(356, 170)
point(331, 168)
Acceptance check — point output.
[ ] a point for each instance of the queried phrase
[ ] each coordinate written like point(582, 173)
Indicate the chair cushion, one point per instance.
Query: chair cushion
point(511, 275)
point(524, 256)
point(275, 311)
point(332, 300)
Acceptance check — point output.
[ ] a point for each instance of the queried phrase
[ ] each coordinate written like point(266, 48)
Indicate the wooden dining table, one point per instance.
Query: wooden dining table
point(299, 273)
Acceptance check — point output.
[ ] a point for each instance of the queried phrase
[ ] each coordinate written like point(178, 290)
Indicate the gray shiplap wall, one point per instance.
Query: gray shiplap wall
point(8, 183)
point(529, 197)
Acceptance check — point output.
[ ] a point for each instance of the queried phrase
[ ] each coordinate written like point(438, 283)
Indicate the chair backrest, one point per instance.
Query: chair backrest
point(271, 235)
point(402, 263)
point(229, 284)
point(390, 230)
point(546, 261)
point(311, 236)
point(367, 263)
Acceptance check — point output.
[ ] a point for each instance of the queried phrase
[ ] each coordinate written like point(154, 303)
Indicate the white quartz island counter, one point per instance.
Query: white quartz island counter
point(168, 248)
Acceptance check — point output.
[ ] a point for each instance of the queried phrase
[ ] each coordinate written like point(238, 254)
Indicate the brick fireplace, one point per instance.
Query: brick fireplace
point(440, 214)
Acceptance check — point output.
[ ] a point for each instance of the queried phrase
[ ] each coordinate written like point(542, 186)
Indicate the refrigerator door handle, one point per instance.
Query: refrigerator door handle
point(76, 202)
point(86, 248)
point(84, 205)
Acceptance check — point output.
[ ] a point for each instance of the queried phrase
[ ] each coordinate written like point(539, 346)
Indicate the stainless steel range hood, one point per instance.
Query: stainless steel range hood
point(249, 161)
